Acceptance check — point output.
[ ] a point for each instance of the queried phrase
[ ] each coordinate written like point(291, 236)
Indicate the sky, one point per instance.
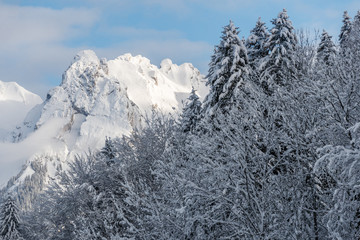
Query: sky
point(39, 38)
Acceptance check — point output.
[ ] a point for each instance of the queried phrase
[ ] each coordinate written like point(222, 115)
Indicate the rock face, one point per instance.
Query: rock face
point(98, 99)
point(91, 104)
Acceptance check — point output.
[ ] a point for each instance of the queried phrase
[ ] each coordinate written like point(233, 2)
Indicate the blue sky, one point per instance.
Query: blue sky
point(40, 38)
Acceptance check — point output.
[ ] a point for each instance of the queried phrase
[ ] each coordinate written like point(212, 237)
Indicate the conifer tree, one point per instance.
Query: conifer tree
point(109, 150)
point(326, 51)
point(279, 66)
point(354, 36)
point(345, 29)
point(256, 41)
point(10, 222)
point(191, 113)
point(226, 71)
point(356, 22)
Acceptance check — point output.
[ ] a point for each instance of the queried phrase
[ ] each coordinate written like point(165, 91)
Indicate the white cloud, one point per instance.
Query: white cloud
point(140, 33)
point(34, 41)
point(26, 26)
point(32, 45)
point(158, 45)
point(37, 67)
point(12, 160)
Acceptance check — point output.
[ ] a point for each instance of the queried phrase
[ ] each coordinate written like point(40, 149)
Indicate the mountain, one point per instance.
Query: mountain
point(96, 99)
point(99, 98)
point(15, 103)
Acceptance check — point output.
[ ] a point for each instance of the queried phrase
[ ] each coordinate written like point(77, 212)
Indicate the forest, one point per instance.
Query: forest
point(273, 152)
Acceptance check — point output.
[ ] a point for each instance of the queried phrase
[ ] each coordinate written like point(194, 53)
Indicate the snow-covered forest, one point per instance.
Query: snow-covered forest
point(273, 152)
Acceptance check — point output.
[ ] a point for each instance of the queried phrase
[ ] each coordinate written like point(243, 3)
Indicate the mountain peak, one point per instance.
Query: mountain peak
point(166, 63)
point(86, 56)
point(98, 98)
point(11, 91)
point(138, 59)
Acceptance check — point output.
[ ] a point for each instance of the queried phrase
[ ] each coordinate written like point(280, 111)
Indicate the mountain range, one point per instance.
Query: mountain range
point(96, 99)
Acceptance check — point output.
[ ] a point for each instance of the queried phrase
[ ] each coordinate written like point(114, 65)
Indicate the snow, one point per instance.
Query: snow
point(14, 155)
point(97, 99)
point(11, 91)
point(13, 96)
point(152, 87)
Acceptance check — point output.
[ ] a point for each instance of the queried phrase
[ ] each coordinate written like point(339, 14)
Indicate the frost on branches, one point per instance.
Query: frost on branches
point(279, 66)
point(345, 30)
point(282, 162)
point(10, 222)
point(191, 113)
point(255, 43)
point(227, 69)
point(327, 50)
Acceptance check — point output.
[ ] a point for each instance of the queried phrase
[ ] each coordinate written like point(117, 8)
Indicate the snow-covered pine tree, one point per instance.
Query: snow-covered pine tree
point(109, 150)
point(338, 118)
point(342, 164)
point(113, 212)
point(279, 66)
point(227, 69)
point(326, 50)
point(255, 43)
point(345, 29)
point(10, 221)
point(356, 22)
point(340, 88)
point(354, 36)
point(191, 113)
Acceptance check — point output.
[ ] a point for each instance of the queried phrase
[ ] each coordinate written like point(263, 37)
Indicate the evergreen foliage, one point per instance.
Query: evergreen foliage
point(226, 71)
point(191, 113)
point(354, 36)
point(255, 43)
point(279, 66)
point(282, 163)
point(345, 30)
point(10, 221)
point(326, 51)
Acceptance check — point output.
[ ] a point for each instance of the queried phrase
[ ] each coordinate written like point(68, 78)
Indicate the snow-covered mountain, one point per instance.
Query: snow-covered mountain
point(11, 91)
point(98, 99)
point(15, 103)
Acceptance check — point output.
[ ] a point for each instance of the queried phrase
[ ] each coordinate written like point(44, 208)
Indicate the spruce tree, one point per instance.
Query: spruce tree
point(227, 69)
point(354, 36)
point(255, 44)
point(326, 51)
point(109, 150)
point(10, 222)
point(191, 113)
point(279, 66)
point(345, 29)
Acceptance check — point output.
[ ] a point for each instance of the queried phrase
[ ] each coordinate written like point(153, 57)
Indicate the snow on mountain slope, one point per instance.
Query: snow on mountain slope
point(15, 102)
point(98, 99)
point(11, 91)
point(14, 155)
point(149, 87)
point(92, 104)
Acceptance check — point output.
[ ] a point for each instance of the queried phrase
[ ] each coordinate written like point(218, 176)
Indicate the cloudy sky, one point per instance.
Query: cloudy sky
point(39, 38)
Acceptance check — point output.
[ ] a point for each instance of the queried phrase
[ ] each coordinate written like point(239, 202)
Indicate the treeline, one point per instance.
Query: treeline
point(273, 152)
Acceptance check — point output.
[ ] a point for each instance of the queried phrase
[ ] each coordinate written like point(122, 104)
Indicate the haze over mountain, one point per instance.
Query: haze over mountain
point(271, 152)
point(96, 99)
point(15, 102)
